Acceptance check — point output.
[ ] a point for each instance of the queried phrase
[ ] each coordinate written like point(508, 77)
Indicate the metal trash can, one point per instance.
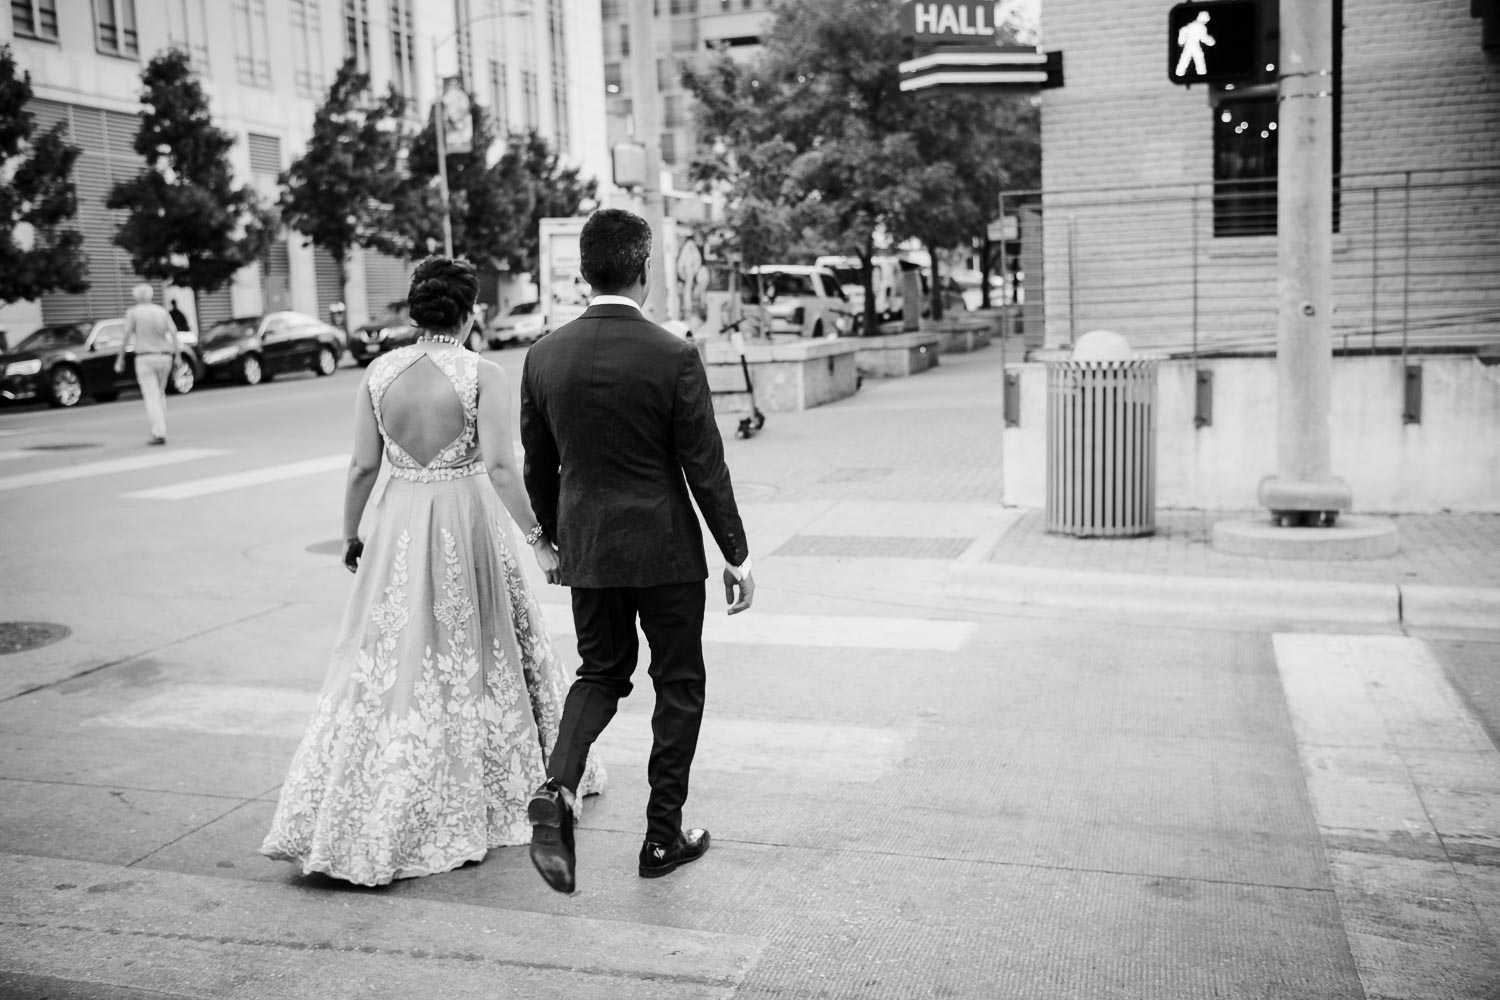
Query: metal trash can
point(1101, 441)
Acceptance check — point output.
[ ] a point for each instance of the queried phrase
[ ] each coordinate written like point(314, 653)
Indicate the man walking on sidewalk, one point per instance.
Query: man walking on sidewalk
point(618, 427)
point(150, 328)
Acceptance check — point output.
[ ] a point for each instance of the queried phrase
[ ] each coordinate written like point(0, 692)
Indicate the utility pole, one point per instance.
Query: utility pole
point(645, 104)
point(1304, 490)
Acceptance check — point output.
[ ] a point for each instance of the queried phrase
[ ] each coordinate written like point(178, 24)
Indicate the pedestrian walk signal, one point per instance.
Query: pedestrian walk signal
point(1212, 42)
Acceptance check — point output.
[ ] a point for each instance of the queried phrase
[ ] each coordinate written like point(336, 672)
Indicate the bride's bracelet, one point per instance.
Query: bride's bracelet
point(534, 535)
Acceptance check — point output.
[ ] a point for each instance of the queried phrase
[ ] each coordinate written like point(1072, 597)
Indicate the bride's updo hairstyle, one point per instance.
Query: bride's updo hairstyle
point(442, 293)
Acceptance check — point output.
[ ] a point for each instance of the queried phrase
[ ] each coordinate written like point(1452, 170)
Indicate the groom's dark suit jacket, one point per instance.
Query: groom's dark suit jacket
point(618, 426)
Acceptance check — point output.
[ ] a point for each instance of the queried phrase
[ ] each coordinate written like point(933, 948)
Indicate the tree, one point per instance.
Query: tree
point(187, 223)
point(489, 203)
point(558, 191)
point(342, 192)
point(855, 158)
point(39, 199)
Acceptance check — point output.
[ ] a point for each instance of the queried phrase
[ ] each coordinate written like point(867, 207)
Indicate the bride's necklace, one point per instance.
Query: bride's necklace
point(437, 339)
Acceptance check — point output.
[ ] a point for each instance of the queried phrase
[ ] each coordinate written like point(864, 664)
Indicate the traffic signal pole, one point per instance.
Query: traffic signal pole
point(1304, 490)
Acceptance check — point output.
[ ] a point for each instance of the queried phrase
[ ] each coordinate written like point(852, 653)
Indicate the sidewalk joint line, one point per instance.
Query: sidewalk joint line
point(126, 788)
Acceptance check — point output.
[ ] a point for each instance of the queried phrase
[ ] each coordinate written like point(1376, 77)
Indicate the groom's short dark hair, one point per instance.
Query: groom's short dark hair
point(613, 249)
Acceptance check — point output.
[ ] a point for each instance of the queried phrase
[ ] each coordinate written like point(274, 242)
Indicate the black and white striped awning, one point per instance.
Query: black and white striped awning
point(982, 66)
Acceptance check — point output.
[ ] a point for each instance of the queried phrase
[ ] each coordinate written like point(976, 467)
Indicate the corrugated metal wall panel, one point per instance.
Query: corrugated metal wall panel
point(326, 279)
point(265, 153)
point(214, 307)
point(106, 139)
point(387, 280)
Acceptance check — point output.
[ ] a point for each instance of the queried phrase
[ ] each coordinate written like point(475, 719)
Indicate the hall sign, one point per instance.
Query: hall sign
point(931, 22)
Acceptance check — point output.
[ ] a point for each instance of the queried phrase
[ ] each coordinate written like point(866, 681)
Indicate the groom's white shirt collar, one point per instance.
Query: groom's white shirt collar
point(614, 300)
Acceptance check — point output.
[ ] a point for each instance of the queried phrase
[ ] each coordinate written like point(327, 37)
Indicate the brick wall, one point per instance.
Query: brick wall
point(1419, 94)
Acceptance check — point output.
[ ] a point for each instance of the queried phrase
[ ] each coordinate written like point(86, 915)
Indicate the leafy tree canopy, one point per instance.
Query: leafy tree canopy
point(341, 193)
point(39, 199)
point(818, 127)
point(187, 223)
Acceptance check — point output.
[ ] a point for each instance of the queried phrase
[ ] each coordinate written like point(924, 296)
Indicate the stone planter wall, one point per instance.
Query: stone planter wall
point(959, 335)
point(788, 375)
point(896, 355)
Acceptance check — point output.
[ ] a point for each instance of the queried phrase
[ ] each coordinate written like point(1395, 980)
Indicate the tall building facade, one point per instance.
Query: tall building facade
point(266, 66)
point(685, 31)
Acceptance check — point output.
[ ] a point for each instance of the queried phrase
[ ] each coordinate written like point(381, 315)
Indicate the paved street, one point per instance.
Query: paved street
point(945, 755)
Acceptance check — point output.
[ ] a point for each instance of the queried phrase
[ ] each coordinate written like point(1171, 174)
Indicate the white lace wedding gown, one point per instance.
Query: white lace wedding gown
point(443, 696)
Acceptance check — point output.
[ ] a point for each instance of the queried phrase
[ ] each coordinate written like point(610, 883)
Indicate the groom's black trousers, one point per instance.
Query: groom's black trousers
point(671, 616)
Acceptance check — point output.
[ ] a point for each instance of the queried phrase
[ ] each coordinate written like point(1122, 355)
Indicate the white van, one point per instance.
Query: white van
point(885, 281)
point(799, 299)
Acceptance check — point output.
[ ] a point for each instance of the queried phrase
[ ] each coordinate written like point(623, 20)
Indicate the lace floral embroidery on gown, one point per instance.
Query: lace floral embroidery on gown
point(443, 694)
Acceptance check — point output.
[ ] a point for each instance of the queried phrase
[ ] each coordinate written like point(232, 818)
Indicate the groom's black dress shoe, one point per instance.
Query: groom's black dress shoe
point(551, 813)
point(662, 859)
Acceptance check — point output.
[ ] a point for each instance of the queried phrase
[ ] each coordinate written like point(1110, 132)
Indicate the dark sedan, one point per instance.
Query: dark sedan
point(253, 349)
point(390, 330)
point(65, 362)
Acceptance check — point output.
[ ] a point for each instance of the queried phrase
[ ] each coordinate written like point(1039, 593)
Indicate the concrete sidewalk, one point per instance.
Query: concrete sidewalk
point(934, 441)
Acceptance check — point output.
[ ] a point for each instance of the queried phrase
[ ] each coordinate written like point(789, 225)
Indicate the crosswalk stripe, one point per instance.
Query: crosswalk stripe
point(766, 628)
point(239, 480)
point(88, 470)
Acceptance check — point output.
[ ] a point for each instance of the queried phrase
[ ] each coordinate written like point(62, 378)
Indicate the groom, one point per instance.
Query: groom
point(618, 428)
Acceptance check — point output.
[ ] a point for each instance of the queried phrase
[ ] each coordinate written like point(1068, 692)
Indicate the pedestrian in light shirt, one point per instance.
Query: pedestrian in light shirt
point(154, 335)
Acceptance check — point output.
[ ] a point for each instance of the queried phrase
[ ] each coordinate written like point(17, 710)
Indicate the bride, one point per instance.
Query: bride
point(443, 696)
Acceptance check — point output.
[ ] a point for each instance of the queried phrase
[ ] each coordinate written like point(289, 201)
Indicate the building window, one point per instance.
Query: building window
point(252, 43)
point(1245, 167)
point(357, 33)
point(499, 98)
point(609, 10)
point(307, 47)
point(34, 18)
point(669, 148)
point(114, 27)
point(684, 6)
point(614, 79)
point(187, 29)
point(624, 39)
point(531, 107)
point(464, 41)
point(557, 32)
point(672, 114)
point(403, 48)
point(685, 35)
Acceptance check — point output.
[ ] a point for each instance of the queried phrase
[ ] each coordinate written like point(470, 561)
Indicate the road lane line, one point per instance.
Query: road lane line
point(6, 456)
point(239, 480)
point(108, 467)
point(1405, 787)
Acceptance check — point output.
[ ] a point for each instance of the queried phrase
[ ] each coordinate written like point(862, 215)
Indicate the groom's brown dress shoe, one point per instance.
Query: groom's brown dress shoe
point(663, 859)
point(551, 813)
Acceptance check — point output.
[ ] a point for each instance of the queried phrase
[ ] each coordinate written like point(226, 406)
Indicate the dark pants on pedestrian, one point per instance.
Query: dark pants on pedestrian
point(671, 616)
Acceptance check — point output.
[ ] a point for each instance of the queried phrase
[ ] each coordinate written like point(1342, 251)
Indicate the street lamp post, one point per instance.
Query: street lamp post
point(440, 125)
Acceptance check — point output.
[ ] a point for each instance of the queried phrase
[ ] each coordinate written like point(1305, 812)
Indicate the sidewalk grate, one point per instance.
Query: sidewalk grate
point(873, 547)
point(18, 636)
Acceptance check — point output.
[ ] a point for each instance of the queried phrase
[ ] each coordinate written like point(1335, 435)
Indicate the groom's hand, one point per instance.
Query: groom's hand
point(746, 588)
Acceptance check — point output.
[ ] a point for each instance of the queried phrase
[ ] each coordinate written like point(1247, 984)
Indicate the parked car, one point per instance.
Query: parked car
point(802, 300)
point(65, 362)
point(388, 331)
point(885, 279)
point(253, 349)
point(524, 324)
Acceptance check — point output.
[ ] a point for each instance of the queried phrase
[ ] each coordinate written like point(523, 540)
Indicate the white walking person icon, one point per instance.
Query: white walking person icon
point(1192, 37)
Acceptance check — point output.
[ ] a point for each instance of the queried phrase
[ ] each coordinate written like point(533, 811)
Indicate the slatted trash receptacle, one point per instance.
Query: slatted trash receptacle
point(1101, 447)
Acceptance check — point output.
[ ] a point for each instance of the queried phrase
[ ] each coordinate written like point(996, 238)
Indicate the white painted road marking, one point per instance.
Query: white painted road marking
point(1405, 786)
point(764, 628)
point(7, 456)
point(846, 753)
point(88, 470)
point(239, 480)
